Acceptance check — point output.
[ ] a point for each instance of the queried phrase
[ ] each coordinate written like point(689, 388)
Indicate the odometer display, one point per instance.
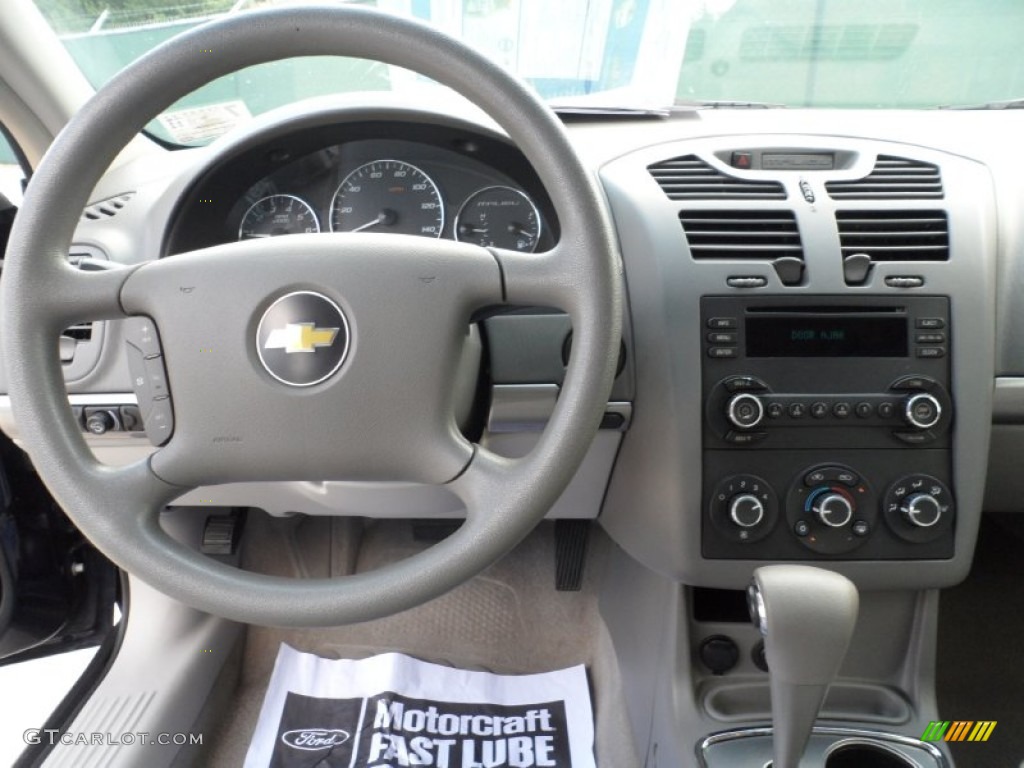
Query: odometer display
point(388, 196)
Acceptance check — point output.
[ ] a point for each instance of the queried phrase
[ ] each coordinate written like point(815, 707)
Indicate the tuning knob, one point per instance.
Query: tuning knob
point(745, 411)
point(921, 509)
point(922, 411)
point(833, 510)
point(746, 510)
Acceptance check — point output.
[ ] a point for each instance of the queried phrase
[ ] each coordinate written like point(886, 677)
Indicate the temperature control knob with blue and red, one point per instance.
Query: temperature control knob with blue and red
point(831, 509)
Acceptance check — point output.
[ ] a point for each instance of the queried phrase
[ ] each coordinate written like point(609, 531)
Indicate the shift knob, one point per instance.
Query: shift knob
point(807, 617)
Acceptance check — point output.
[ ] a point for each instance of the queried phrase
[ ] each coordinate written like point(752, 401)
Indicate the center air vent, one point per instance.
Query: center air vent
point(690, 178)
point(892, 178)
point(741, 234)
point(895, 235)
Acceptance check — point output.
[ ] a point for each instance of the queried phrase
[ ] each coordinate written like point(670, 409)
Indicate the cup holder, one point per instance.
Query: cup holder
point(863, 755)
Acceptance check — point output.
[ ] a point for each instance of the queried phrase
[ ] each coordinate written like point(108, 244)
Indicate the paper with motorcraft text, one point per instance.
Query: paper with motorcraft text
point(393, 711)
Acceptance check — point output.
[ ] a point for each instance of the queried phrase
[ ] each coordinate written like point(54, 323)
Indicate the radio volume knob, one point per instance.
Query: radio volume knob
point(922, 411)
point(746, 510)
point(834, 510)
point(745, 411)
point(921, 510)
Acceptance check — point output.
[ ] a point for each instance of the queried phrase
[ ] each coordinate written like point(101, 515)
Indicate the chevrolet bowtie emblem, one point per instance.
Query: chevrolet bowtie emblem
point(300, 337)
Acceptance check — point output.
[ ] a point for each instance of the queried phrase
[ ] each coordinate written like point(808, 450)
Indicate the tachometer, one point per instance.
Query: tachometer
point(502, 217)
point(388, 196)
point(278, 215)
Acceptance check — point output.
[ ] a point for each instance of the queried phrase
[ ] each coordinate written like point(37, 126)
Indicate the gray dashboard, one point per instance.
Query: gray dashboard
point(643, 479)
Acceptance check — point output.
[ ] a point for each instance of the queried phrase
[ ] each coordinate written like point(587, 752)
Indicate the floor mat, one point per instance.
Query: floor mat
point(980, 673)
point(510, 619)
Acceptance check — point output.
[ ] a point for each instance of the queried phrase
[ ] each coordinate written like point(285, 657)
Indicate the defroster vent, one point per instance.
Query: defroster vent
point(892, 178)
point(690, 178)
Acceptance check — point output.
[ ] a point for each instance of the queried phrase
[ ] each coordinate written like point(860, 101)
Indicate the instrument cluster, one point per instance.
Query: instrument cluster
point(471, 189)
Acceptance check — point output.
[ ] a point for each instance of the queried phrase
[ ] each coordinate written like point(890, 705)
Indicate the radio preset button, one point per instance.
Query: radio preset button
point(841, 410)
point(887, 410)
point(819, 410)
point(797, 410)
point(864, 410)
point(775, 410)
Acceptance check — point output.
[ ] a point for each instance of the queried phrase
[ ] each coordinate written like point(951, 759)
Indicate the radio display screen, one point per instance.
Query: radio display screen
point(826, 336)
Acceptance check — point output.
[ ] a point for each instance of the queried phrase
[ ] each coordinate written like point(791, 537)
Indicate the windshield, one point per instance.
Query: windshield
point(621, 54)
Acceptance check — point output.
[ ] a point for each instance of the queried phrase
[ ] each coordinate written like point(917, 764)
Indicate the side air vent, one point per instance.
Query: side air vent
point(690, 178)
point(106, 209)
point(892, 178)
point(895, 235)
point(741, 234)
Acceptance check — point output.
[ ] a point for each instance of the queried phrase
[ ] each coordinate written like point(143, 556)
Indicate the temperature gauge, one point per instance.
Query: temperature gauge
point(501, 217)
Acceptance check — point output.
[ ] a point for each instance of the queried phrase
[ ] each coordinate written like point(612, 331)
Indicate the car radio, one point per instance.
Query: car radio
point(827, 427)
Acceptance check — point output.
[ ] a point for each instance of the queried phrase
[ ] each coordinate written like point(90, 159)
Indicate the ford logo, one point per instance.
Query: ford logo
point(313, 739)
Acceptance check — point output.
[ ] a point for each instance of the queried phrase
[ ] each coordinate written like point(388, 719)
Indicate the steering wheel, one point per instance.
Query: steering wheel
point(385, 412)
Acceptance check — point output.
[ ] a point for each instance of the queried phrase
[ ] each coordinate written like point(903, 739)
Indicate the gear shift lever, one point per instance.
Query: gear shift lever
point(806, 616)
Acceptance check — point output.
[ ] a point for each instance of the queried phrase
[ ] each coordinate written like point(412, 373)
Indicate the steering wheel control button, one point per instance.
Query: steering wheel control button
point(159, 421)
point(743, 508)
point(745, 411)
point(302, 339)
point(919, 508)
point(830, 509)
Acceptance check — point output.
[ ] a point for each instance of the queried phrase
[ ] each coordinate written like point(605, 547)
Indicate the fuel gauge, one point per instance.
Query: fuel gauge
point(501, 217)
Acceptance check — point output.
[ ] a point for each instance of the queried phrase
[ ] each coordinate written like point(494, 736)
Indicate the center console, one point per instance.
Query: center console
point(826, 430)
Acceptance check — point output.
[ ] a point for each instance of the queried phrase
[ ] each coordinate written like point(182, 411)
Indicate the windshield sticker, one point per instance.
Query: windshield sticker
point(202, 124)
point(392, 710)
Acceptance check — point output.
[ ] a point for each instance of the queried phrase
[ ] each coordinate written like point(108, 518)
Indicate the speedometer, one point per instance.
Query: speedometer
point(388, 196)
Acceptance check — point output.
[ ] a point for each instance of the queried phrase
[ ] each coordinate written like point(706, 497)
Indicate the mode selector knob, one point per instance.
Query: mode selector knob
point(745, 411)
point(746, 510)
point(922, 411)
point(921, 509)
point(833, 510)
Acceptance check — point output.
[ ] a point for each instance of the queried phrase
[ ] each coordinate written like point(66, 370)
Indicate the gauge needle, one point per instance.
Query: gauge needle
point(381, 218)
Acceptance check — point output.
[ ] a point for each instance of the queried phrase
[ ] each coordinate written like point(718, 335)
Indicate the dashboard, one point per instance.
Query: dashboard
point(819, 344)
